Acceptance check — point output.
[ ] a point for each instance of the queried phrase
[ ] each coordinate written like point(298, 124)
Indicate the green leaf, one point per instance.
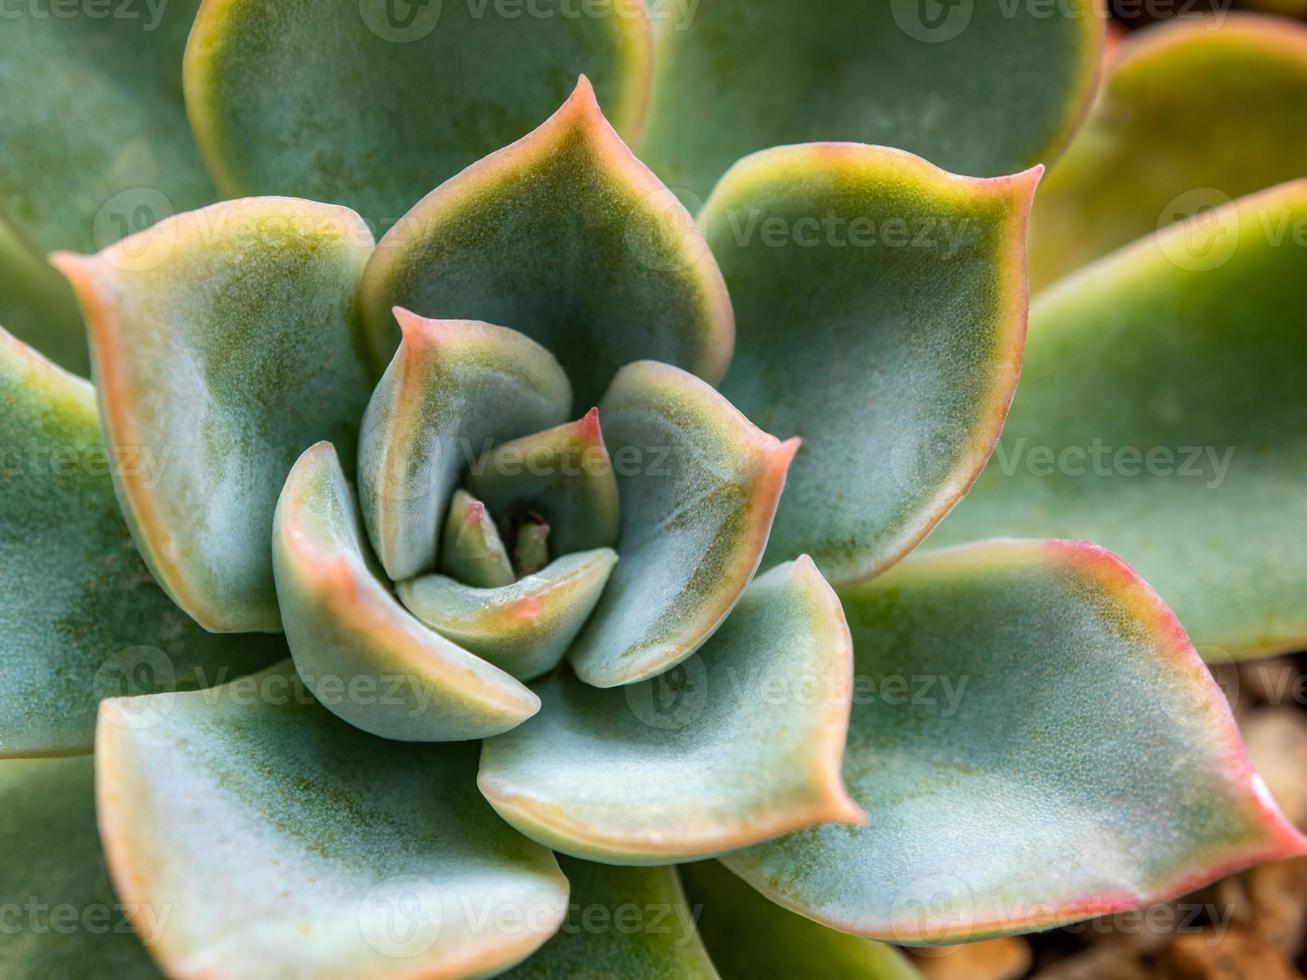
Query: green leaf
point(225, 342)
point(1193, 113)
point(882, 310)
point(739, 744)
point(565, 475)
point(94, 145)
point(371, 103)
point(524, 628)
point(570, 239)
point(1161, 415)
point(975, 88)
point(632, 923)
point(61, 916)
point(453, 388)
point(699, 485)
point(38, 306)
point(1035, 742)
point(471, 550)
point(81, 616)
point(329, 852)
point(749, 936)
point(356, 648)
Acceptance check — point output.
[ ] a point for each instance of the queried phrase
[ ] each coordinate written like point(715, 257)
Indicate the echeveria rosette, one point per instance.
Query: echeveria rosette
point(247, 338)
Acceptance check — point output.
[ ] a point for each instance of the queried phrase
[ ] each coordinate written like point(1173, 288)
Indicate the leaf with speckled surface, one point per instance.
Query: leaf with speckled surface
point(524, 628)
point(1192, 114)
point(452, 390)
point(950, 82)
point(740, 743)
point(289, 846)
point(225, 342)
point(52, 863)
point(699, 484)
point(632, 923)
point(1044, 691)
point(567, 237)
point(1161, 414)
point(882, 313)
point(370, 104)
point(749, 937)
point(356, 648)
point(81, 615)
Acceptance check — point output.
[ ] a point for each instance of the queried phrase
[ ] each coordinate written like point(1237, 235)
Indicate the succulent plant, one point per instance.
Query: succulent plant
point(555, 573)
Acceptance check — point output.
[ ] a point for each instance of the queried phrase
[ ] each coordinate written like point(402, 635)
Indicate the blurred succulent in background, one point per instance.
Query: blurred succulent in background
point(403, 541)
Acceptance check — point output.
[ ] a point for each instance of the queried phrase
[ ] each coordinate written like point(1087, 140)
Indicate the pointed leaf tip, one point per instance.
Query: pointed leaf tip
point(885, 233)
point(699, 486)
point(224, 341)
point(741, 742)
point(347, 633)
point(566, 236)
point(1144, 790)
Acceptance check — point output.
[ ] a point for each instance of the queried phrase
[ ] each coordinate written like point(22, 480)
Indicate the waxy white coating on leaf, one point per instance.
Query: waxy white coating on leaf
point(524, 628)
point(566, 236)
point(1035, 741)
point(80, 615)
point(699, 485)
point(287, 845)
point(355, 647)
point(453, 388)
point(739, 744)
point(224, 341)
point(884, 326)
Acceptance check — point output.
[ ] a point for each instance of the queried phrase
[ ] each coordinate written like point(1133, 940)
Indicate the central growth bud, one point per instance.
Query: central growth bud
point(527, 501)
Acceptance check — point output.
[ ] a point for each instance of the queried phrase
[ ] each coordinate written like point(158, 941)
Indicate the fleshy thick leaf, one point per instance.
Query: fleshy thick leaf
point(524, 628)
point(632, 923)
point(286, 844)
point(93, 146)
point(453, 388)
point(1161, 415)
point(565, 475)
point(882, 305)
point(749, 936)
point(357, 650)
point(1192, 114)
point(975, 88)
point(739, 744)
point(38, 306)
point(567, 237)
point(225, 342)
point(1041, 689)
point(395, 97)
point(472, 551)
point(81, 617)
point(61, 916)
point(699, 485)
